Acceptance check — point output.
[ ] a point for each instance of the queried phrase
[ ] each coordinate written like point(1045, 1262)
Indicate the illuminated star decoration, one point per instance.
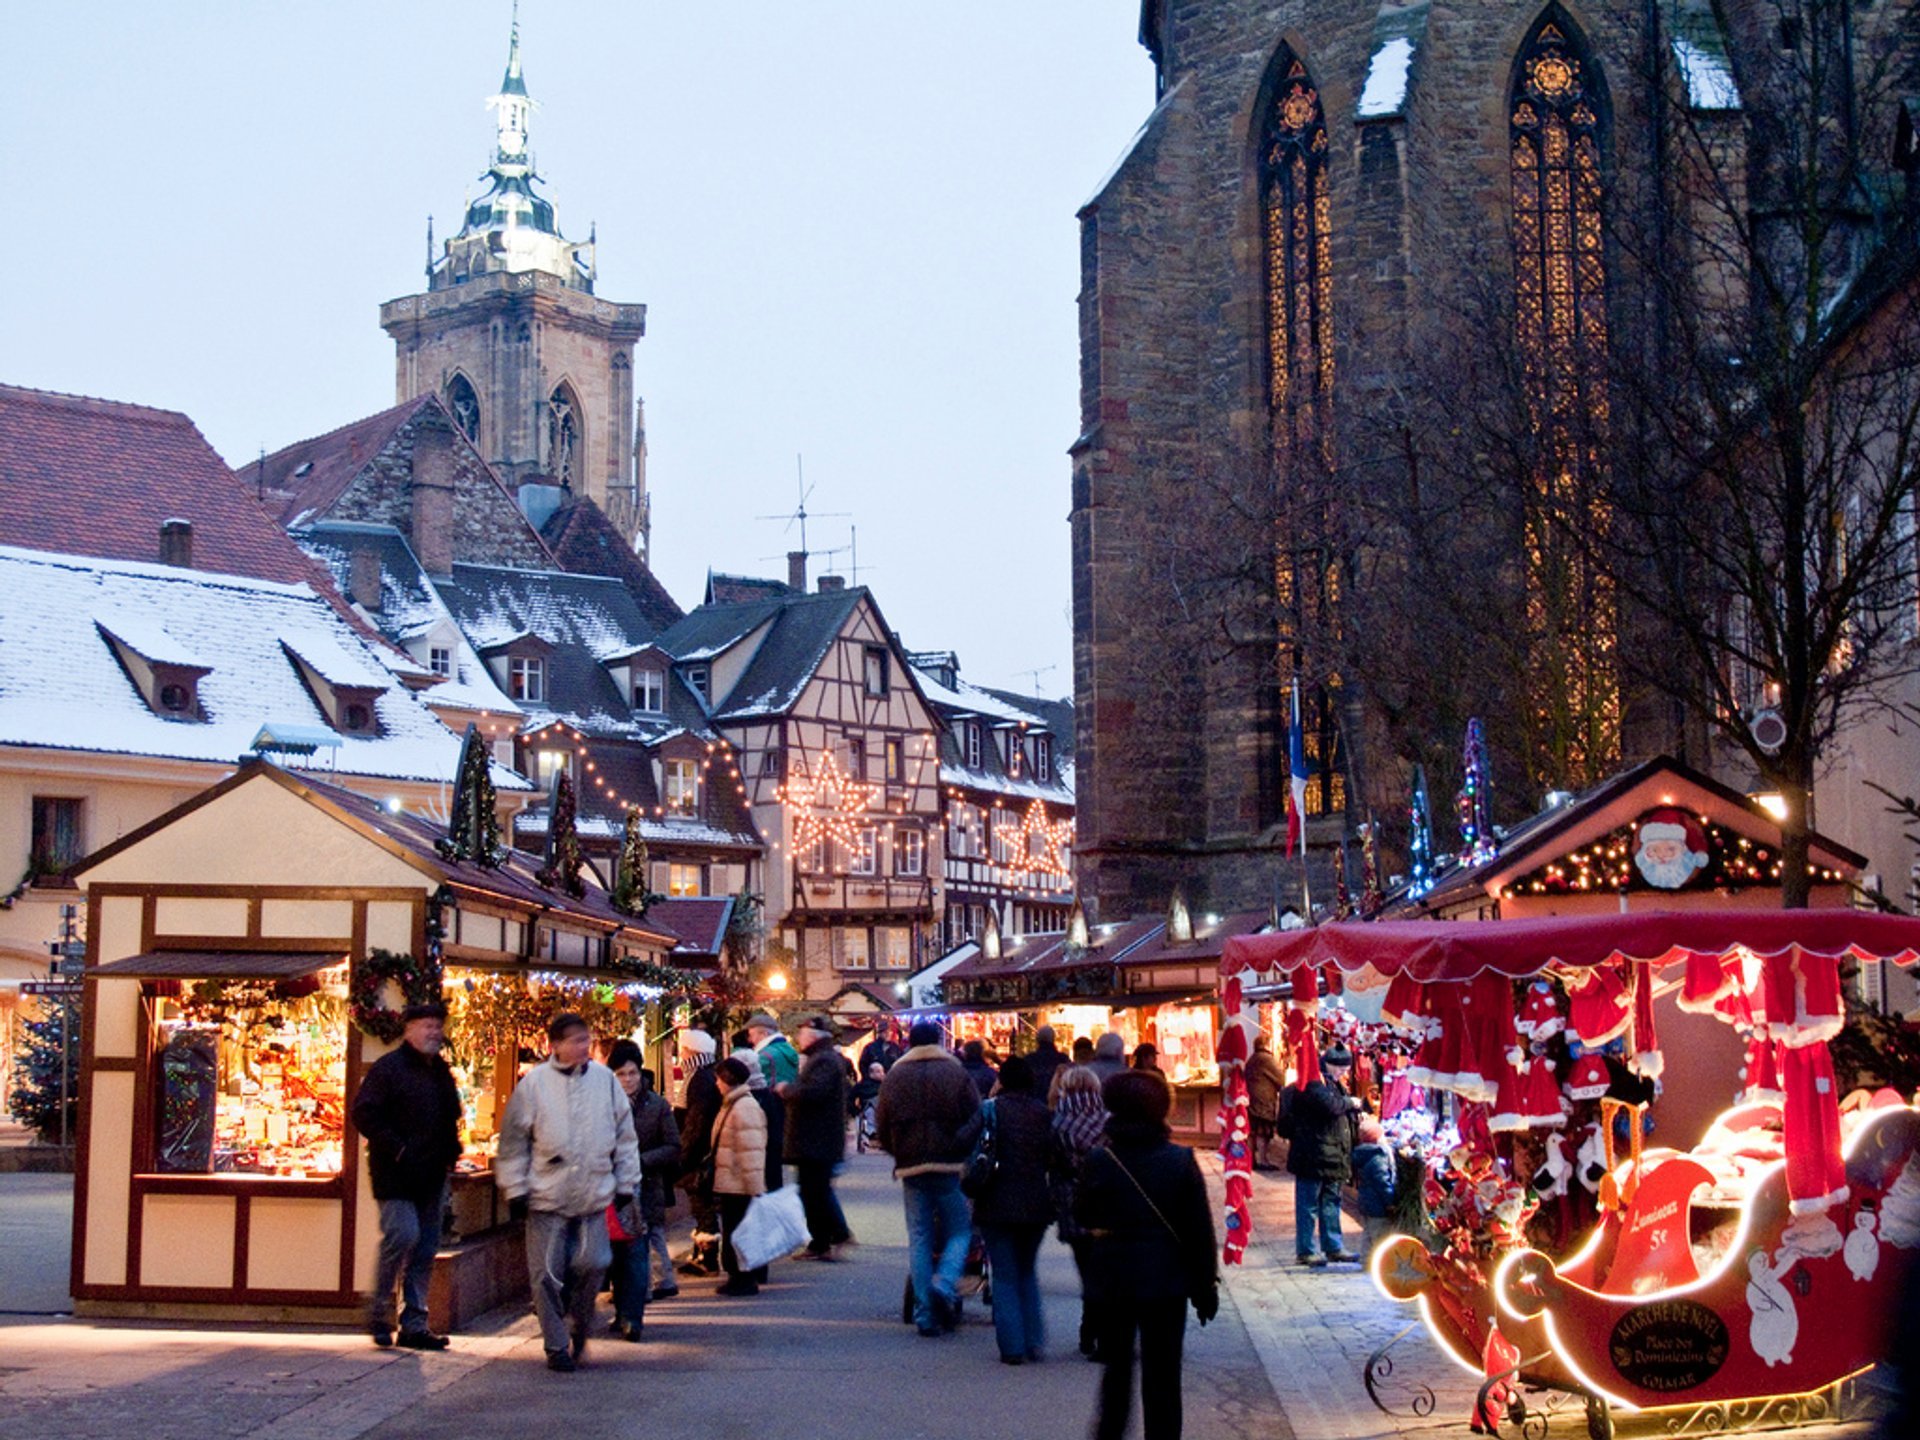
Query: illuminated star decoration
point(828, 805)
point(1056, 841)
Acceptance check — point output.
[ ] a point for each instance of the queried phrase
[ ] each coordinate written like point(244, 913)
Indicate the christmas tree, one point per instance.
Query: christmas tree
point(1477, 842)
point(562, 868)
point(473, 834)
point(36, 1071)
point(630, 893)
point(1420, 839)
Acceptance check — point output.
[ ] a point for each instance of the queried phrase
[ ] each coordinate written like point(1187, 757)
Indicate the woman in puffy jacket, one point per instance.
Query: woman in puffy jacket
point(739, 1167)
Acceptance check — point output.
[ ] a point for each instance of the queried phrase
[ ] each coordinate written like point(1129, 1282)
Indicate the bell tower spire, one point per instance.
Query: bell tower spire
point(513, 109)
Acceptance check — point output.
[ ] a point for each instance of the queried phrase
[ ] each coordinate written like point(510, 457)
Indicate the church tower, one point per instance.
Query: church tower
point(536, 368)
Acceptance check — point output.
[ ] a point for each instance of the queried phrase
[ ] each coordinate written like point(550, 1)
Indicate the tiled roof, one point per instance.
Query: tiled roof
point(494, 604)
point(302, 480)
point(97, 477)
point(585, 541)
point(725, 589)
point(62, 685)
point(700, 924)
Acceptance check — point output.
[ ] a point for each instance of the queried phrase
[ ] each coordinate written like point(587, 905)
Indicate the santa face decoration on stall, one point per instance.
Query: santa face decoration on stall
point(1669, 848)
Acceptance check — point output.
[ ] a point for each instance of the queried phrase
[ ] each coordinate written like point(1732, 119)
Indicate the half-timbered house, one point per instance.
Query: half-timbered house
point(838, 757)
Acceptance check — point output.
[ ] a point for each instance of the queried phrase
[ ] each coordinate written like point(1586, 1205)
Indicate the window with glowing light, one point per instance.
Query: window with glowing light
point(527, 678)
point(892, 947)
point(1005, 831)
point(1557, 120)
point(896, 762)
point(549, 763)
point(853, 949)
point(1299, 268)
point(683, 880)
point(683, 787)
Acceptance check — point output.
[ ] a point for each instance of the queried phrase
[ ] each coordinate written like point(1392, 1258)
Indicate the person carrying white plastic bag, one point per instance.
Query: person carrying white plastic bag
point(775, 1224)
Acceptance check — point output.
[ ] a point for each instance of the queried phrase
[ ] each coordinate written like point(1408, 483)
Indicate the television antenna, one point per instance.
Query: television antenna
point(1034, 689)
point(800, 514)
point(852, 551)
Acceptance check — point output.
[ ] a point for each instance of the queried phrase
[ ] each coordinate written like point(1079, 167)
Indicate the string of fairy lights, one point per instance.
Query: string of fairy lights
point(592, 778)
point(1607, 865)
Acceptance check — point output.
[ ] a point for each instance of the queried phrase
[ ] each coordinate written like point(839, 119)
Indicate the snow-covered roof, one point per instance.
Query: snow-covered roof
point(63, 687)
point(964, 698)
point(495, 605)
point(146, 637)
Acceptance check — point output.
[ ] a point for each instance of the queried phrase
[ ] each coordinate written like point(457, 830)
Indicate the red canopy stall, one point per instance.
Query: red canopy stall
point(1689, 1289)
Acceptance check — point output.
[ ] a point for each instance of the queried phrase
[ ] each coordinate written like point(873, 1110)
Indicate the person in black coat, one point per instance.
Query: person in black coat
point(816, 1135)
point(973, 1059)
point(1015, 1209)
point(1045, 1059)
point(696, 1131)
point(408, 1110)
point(1320, 1158)
point(1150, 1253)
point(879, 1051)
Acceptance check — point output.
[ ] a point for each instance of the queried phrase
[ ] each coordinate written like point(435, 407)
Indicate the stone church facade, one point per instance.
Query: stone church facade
point(534, 366)
point(1267, 274)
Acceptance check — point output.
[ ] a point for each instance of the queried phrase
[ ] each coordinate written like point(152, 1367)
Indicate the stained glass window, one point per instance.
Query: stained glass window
point(1297, 227)
point(1557, 119)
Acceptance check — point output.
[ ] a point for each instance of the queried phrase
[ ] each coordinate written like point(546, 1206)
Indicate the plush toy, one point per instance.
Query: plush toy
point(1590, 1163)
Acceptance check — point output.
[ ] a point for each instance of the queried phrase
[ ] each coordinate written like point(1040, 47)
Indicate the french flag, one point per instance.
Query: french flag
point(1296, 777)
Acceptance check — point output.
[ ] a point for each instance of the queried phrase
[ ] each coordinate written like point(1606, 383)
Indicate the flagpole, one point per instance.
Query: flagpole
point(1306, 880)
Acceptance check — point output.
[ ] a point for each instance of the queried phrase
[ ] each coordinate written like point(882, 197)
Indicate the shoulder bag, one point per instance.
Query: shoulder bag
point(977, 1175)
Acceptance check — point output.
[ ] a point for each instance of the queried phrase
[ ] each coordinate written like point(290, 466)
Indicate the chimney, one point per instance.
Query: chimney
point(363, 578)
point(431, 529)
point(176, 543)
point(832, 582)
point(797, 570)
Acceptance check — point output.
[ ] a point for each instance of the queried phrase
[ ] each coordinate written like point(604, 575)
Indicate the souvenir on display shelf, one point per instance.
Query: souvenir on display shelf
point(251, 1076)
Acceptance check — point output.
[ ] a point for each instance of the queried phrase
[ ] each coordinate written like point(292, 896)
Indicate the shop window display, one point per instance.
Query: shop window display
point(250, 1077)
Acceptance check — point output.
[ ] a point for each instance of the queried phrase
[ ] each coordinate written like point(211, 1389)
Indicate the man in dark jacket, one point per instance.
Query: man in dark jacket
point(1320, 1159)
point(696, 1131)
point(816, 1138)
point(928, 1118)
point(973, 1058)
point(1045, 1059)
point(408, 1110)
point(878, 1051)
point(658, 1137)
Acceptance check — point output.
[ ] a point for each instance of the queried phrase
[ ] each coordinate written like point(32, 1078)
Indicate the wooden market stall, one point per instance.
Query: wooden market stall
point(246, 955)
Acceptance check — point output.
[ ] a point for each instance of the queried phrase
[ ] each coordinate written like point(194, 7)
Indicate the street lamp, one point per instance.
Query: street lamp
point(777, 982)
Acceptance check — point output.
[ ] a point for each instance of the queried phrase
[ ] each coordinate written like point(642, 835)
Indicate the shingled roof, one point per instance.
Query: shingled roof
point(800, 630)
point(98, 477)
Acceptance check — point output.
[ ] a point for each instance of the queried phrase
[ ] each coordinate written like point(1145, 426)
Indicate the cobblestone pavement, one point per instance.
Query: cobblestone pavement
point(818, 1348)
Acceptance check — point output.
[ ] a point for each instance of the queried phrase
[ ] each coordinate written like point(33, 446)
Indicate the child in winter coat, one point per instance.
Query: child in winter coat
point(1373, 1169)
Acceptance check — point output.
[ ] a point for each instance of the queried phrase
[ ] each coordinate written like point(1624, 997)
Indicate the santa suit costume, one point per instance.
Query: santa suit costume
point(1491, 1047)
point(1540, 1096)
point(1644, 1057)
point(1601, 1006)
point(1804, 1011)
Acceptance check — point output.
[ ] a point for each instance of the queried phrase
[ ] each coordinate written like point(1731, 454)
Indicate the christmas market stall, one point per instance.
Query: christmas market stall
point(1688, 1285)
point(1149, 979)
point(248, 954)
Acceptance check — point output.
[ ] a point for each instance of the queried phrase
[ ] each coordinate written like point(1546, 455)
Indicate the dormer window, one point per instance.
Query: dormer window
point(698, 678)
point(970, 743)
point(164, 671)
point(683, 787)
point(440, 660)
point(650, 692)
point(342, 684)
point(527, 678)
point(1043, 759)
point(1015, 754)
point(356, 717)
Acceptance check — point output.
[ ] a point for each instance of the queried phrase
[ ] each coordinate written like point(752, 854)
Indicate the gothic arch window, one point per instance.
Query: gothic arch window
point(1296, 236)
point(1299, 269)
point(1557, 133)
point(564, 429)
point(464, 404)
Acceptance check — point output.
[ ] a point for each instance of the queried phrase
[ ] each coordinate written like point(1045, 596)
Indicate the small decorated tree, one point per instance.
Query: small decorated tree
point(562, 868)
point(37, 1095)
point(1477, 842)
point(631, 894)
point(473, 831)
point(1420, 838)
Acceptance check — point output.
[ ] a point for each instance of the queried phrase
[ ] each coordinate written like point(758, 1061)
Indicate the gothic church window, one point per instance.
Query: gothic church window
point(1557, 118)
point(465, 406)
point(1296, 224)
point(563, 436)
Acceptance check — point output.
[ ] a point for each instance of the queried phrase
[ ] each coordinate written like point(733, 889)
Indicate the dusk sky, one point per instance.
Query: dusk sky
point(852, 224)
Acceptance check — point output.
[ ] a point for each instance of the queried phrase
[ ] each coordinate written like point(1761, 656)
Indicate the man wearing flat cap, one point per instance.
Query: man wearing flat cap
point(779, 1061)
point(1320, 1157)
point(816, 1135)
point(408, 1111)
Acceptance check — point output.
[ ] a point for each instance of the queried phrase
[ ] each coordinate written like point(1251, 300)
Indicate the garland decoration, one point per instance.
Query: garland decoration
point(419, 982)
point(473, 831)
point(563, 860)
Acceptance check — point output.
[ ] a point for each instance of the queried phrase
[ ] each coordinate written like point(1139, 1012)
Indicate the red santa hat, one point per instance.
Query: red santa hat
point(1589, 1079)
point(1709, 979)
point(1540, 1015)
point(1306, 984)
point(1670, 823)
